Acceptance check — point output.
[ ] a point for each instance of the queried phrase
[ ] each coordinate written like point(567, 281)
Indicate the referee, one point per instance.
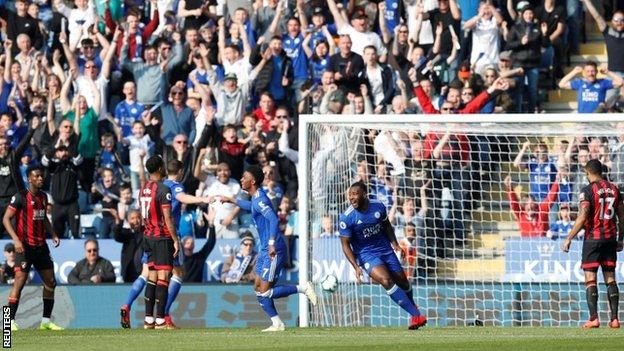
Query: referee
point(64, 189)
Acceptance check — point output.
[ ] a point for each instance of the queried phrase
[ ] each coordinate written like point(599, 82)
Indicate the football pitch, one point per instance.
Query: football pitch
point(362, 339)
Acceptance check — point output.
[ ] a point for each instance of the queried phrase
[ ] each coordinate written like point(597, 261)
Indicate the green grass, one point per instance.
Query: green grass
point(361, 339)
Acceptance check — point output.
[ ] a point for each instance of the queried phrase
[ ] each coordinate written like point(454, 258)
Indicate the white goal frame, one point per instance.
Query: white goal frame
point(381, 120)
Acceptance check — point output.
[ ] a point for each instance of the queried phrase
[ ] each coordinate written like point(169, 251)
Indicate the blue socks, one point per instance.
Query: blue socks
point(400, 297)
point(267, 304)
point(174, 288)
point(410, 294)
point(135, 291)
point(283, 291)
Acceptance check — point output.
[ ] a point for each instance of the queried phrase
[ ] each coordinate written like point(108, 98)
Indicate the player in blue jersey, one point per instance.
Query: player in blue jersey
point(369, 243)
point(272, 256)
point(174, 170)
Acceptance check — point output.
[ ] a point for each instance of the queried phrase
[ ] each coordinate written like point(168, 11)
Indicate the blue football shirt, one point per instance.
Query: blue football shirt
point(541, 176)
point(589, 96)
point(265, 218)
point(176, 206)
point(365, 229)
point(294, 49)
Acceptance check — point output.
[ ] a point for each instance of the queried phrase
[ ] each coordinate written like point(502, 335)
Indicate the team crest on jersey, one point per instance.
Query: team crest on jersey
point(582, 196)
point(366, 265)
point(377, 215)
point(343, 225)
point(168, 196)
point(23, 265)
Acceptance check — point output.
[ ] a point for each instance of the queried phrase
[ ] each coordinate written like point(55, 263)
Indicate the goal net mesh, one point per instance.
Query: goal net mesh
point(476, 250)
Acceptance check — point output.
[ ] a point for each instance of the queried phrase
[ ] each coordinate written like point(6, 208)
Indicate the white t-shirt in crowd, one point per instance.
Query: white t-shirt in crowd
point(376, 83)
point(485, 41)
point(361, 40)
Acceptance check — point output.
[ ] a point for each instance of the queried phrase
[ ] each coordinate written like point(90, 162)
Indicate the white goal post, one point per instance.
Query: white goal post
point(469, 262)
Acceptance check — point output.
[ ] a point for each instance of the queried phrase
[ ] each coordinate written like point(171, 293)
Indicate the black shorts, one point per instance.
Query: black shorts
point(159, 254)
point(38, 256)
point(599, 254)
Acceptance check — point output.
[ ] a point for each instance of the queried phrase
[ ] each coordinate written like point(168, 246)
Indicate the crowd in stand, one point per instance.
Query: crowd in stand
point(91, 89)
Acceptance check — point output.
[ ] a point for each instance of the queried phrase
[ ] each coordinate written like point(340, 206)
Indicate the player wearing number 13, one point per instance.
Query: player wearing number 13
point(161, 241)
point(600, 208)
point(368, 242)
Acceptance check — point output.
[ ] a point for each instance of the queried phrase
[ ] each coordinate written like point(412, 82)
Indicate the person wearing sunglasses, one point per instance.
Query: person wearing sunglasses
point(176, 117)
point(93, 269)
point(239, 267)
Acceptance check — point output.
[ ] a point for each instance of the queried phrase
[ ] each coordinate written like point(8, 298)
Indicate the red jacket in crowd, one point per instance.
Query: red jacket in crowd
point(538, 225)
point(473, 106)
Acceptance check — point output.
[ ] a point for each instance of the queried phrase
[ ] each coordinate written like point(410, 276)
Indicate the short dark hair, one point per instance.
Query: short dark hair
point(154, 163)
point(591, 63)
point(256, 173)
point(174, 166)
point(594, 167)
point(125, 186)
point(229, 126)
point(33, 168)
point(87, 42)
point(91, 240)
point(360, 185)
point(149, 47)
point(370, 47)
point(233, 47)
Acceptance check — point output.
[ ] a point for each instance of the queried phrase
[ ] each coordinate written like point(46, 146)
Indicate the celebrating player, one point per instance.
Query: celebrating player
point(600, 202)
point(272, 251)
point(174, 171)
point(368, 241)
point(29, 208)
point(161, 242)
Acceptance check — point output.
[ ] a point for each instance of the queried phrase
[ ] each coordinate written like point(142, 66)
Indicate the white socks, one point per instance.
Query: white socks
point(276, 320)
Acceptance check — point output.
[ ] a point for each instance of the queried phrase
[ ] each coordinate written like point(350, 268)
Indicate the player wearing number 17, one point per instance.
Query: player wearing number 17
point(160, 241)
point(600, 202)
point(368, 242)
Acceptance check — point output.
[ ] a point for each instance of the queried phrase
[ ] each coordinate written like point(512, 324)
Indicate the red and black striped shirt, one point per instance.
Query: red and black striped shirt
point(603, 200)
point(30, 213)
point(153, 197)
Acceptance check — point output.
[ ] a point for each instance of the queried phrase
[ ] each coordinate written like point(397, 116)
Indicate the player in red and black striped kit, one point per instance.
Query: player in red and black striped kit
point(601, 214)
point(161, 241)
point(28, 207)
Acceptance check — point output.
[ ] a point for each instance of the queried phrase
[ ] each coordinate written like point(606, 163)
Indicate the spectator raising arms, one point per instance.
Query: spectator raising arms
point(532, 216)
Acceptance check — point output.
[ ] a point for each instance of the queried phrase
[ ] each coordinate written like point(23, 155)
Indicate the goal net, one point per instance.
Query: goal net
point(480, 209)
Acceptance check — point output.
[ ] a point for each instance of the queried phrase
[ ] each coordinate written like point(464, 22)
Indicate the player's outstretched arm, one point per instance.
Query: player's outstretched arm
point(346, 248)
point(578, 225)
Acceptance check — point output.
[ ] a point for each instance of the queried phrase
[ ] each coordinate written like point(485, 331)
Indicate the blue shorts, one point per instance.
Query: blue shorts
point(389, 259)
point(269, 270)
point(176, 261)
